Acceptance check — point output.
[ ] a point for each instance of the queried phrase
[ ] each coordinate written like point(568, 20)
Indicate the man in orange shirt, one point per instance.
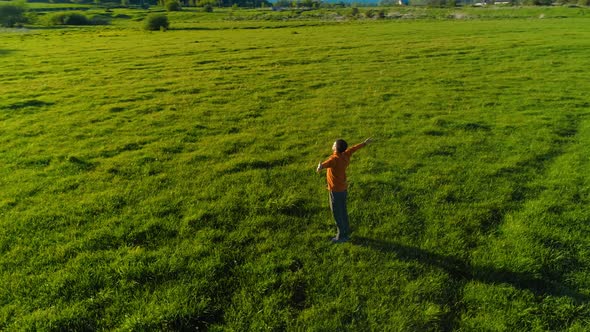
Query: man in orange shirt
point(336, 175)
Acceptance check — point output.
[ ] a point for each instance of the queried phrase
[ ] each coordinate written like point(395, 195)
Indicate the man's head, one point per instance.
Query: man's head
point(340, 146)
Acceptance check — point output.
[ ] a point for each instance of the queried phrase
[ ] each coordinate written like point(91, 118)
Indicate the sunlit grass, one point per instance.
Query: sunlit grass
point(165, 180)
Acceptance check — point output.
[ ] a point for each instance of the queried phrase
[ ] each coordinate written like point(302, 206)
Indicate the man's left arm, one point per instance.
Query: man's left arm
point(361, 145)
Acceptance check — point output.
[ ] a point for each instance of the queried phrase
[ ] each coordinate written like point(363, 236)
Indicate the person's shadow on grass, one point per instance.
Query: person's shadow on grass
point(462, 271)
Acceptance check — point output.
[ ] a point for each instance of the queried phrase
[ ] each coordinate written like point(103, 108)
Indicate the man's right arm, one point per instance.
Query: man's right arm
point(326, 164)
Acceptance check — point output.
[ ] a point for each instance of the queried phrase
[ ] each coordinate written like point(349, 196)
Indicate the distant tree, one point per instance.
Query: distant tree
point(439, 3)
point(173, 6)
point(206, 3)
point(239, 3)
point(156, 22)
point(282, 3)
point(12, 14)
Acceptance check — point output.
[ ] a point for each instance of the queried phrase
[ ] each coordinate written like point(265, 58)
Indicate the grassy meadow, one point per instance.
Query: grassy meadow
point(166, 180)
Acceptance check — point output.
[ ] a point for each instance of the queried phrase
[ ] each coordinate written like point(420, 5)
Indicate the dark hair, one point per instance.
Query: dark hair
point(341, 145)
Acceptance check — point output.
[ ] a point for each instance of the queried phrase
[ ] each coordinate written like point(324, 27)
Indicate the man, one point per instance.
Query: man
point(336, 176)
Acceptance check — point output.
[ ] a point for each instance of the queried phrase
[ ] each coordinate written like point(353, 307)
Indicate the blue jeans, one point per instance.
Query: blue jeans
point(338, 207)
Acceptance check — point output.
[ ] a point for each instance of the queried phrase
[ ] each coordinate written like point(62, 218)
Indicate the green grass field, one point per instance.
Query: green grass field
point(166, 180)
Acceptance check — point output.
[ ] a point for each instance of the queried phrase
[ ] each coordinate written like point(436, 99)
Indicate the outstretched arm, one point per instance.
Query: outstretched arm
point(360, 145)
point(326, 164)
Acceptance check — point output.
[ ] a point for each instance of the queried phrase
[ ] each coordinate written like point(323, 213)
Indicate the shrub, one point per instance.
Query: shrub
point(370, 13)
point(157, 22)
point(69, 19)
point(100, 20)
point(374, 13)
point(76, 19)
point(12, 14)
point(208, 8)
point(32, 17)
point(173, 6)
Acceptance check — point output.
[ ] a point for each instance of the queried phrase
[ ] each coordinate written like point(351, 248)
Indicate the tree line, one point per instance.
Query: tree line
point(15, 13)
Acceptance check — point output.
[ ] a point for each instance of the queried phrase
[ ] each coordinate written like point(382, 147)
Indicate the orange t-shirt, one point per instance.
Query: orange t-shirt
point(336, 168)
